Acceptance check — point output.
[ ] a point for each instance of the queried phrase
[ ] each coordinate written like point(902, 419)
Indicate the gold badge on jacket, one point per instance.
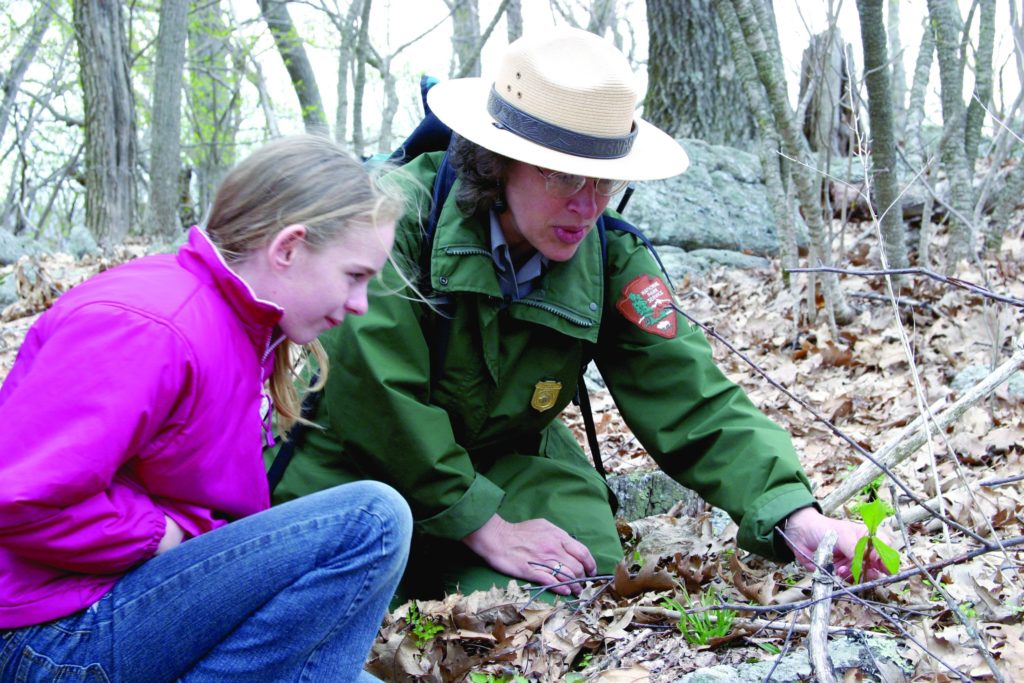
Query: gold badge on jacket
point(545, 395)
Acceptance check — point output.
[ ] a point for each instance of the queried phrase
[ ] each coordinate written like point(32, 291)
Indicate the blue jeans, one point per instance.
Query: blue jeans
point(295, 593)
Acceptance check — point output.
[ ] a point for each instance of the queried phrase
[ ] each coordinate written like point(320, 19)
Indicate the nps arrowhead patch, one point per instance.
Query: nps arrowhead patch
point(647, 303)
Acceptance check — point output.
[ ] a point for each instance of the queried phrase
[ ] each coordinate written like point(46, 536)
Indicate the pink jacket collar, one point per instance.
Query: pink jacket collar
point(201, 257)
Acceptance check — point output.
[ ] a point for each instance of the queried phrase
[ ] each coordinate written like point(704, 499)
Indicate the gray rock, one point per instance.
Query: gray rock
point(11, 248)
point(866, 653)
point(733, 259)
point(642, 494)
point(8, 291)
point(719, 203)
point(972, 374)
point(81, 243)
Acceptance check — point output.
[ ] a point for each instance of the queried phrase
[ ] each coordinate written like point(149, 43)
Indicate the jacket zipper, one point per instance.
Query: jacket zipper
point(268, 419)
point(466, 251)
point(577, 320)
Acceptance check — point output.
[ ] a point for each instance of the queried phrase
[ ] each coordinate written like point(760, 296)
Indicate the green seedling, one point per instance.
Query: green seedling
point(873, 514)
point(870, 491)
point(770, 648)
point(477, 677)
point(423, 628)
point(699, 628)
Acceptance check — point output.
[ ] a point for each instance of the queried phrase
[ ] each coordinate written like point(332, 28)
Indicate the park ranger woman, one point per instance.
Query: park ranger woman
point(461, 414)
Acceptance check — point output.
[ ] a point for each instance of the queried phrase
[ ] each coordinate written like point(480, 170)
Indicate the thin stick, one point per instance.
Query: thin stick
point(817, 637)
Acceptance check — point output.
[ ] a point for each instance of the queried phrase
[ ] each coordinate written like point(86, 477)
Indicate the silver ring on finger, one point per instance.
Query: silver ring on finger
point(557, 569)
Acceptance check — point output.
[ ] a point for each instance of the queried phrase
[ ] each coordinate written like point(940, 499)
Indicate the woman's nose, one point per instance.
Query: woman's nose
point(586, 200)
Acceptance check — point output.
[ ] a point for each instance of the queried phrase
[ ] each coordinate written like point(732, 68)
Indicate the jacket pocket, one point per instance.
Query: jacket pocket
point(38, 668)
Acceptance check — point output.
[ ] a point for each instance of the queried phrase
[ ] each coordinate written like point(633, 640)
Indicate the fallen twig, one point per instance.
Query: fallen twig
point(817, 637)
point(955, 281)
point(890, 457)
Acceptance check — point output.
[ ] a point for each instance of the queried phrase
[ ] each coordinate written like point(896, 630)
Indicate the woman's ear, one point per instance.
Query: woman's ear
point(286, 243)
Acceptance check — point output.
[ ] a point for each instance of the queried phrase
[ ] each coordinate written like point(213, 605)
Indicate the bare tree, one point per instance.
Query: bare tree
point(346, 27)
point(213, 100)
point(359, 80)
point(693, 88)
point(752, 19)
point(110, 146)
point(289, 44)
point(899, 74)
point(982, 96)
point(948, 26)
point(884, 176)
point(10, 82)
point(165, 133)
point(769, 144)
point(514, 20)
point(465, 37)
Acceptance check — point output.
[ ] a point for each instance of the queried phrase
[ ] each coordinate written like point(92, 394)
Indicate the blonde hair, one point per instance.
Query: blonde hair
point(307, 180)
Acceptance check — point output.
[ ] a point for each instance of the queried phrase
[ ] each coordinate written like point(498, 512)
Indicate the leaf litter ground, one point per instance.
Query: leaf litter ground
point(620, 629)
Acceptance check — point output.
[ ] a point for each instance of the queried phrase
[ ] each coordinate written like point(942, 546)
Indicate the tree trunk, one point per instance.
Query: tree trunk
point(947, 24)
point(165, 149)
point(465, 38)
point(828, 118)
point(213, 100)
point(359, 79)
point(11, 81)
point(982, 81)
point(884, 176)
point(109, 120)
point(603, 17)
point(769, 143)
point(346, 55)
point(289, 44)
point(693, 87)
point(514, 20)
point(918, 89)
point(808, 185)
point(899, 73)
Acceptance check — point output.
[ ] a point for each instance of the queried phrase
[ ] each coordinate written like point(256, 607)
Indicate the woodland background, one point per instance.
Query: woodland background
point(892, 169)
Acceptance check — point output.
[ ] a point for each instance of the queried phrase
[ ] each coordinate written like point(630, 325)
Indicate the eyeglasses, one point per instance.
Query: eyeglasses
point(564, 185)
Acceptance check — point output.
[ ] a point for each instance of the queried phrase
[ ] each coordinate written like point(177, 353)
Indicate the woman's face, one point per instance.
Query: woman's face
point(537, 220)
point(325, 285)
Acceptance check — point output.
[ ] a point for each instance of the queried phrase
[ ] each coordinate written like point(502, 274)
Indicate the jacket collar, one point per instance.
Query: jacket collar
point(201, 257)
point(568, 298)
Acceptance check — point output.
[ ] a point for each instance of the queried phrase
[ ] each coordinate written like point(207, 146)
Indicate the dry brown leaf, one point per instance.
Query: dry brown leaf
point(634, 674)
point(649, 578)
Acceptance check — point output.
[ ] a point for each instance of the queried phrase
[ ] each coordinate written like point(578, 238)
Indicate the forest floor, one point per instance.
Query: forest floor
point(628, 628)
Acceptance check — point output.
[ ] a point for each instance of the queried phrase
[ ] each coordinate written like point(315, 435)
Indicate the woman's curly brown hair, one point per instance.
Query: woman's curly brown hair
point(482, 174)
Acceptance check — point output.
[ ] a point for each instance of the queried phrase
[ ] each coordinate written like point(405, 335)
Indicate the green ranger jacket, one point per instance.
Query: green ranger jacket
point(511, 367)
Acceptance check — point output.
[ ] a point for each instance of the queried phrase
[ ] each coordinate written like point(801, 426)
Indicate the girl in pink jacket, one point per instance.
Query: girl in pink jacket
point(136, 539)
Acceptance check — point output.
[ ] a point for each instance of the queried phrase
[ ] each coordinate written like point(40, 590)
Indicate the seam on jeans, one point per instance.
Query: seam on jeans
point(386, 532)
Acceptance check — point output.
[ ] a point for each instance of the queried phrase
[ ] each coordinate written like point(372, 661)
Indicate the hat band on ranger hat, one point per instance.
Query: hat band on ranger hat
point(549, 135)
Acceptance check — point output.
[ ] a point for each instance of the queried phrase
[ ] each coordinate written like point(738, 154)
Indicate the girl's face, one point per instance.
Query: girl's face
point(538, 220)
point(320, 287)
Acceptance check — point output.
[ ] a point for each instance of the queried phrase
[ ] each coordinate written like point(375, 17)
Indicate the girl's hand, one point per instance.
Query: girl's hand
point(173, 536)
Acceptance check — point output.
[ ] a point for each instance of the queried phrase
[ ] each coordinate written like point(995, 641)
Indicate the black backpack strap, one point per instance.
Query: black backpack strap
point(582, 399)
point(287, 450)
point(439, 325)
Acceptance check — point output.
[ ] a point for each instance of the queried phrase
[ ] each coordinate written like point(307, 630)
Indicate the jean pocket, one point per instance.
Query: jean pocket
point(38, 668)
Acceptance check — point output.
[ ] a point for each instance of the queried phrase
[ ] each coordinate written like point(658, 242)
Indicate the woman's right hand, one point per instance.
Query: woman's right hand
point(531, 551)
point(173, 536)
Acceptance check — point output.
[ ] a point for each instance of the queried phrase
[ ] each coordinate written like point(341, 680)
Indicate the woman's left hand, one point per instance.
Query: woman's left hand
point(804, 529)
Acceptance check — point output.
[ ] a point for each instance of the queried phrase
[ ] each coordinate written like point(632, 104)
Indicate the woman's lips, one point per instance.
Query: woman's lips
point(570, 235)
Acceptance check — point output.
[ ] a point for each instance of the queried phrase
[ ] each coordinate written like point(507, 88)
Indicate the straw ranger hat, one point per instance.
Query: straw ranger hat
point(566, 101)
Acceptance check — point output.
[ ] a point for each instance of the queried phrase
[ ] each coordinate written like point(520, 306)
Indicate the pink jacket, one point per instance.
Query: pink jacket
point(136, 395)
